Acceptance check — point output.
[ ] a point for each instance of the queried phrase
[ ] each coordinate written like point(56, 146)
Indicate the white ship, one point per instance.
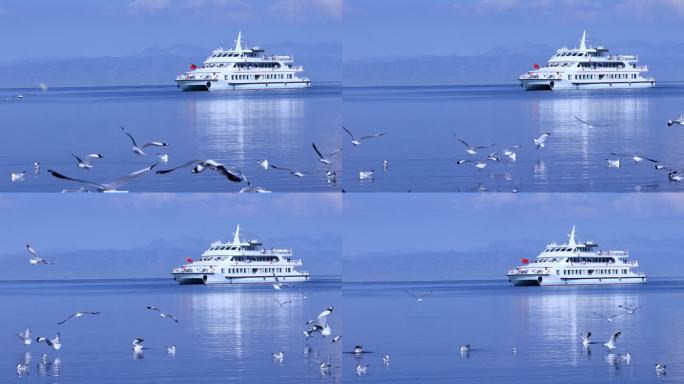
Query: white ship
point(242, 261)
point(243, 68)
point(587, 68)
point(576, 263)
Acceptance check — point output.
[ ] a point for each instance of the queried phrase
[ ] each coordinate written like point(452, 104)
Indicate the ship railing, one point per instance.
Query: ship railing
point(194, 269)
point(529, 271)
point(541, 76)
point(198, 76)
point(623, 57)
point(278, 58)
point(642, 68)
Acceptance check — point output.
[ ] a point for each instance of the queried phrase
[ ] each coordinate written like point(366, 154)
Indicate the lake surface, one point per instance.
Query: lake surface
point(226, 333)
point(420, 123)
point(235, 128)
point(544, 324)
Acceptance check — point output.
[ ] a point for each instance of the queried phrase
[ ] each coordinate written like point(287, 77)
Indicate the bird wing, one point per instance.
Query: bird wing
point(317, 151)
point(484, 146)
point(276, 278)
point(130, 177)
point(649, 159)
point(335, 152)
point(229, 174)
point(461, 140)
point(153, 308)
point(371, 136)
point(155, 144)
point(91, 183)
point(426, 294)
point(129, 135)
point(184, 165)
point(282, 168)
point(323, 318)
point(31, 250)
point(410, 293)
point(172, 317)
point(92, 156)
point(77, 158)
point(580, 120)
point(67, 319)
point(348, 132)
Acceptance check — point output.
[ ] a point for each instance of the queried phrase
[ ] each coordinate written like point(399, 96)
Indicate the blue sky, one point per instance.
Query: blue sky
point(73, 28)
point(389, 28)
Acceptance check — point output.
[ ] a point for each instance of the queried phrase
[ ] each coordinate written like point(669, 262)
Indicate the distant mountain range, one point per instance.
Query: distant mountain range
point(498, 66)
point(154, 66)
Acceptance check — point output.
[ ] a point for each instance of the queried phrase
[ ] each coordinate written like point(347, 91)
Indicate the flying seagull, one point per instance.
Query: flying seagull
point(367, 175)
point(282, 303)
point(324, 159)
point(419, 298)
point(138, 345)
point(292, 171)
point(263, 164)
point(679, 121)
point(357, 142)
point(277, 284)
point(200, 165)
point(512, 155)
point(471, 150)
point(610, 344)
point(320, 325)
point(163, 315)
point(362, 369)
point(85, 164)
point(586, 339)
point(541, 140)
point(25, 336)
point(55, 343)
point(660, 368)
point(465, 349)
point(22, 369)
point(588, 124)
point(35, 259)
point(17, 176)
point(636, 158)
point(107, 187)
point(77, 315)
point(478, 164)
point(36, 167)
point(613, 163)
point(631, 309)
point(250, 187)
point(139, 150)
point(606, 318)
point(385, 359)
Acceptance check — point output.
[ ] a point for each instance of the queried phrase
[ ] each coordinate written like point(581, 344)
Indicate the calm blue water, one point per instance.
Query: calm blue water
point(225, 334)
point(236, 128)
point(423, 339)
point(422, 151)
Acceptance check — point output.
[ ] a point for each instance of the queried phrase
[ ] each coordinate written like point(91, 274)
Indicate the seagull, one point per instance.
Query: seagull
point(35, 259)
point(631, 309)
point(263, 164)
point(512, 156)
point(478, 164)
point(515, 350)
point(357, 142)
point(77, 315)
point(679, 121)
point(55, 343)
point(367, 175)
point(292, 171)
point(674, 176)
point(385, 165)
point(277, 285)
point(492, 156)
point(541, 140)
point(660, 368)
point(22, 369)
point(336, 339)
point(324, 159)
point(200, 165)
point(385, 359)
point(465, 349)
point(469, 148)
point(419, 298)
point(163, 158)
point(85, 164)
point(636, 158)
point(613, 163)
point(320, 324)
point(111, 186)
point(282, 303)
point(331, 177)
point(358, 349)
point(17, 176)
point(43, 87)
point(138, 345)
point(611, 343)
point(138, 150)
point(278, 356)
point(171, 349)
point(587, 123)
point(361, 369)
point(36, 167)
point(163, 315)
point(250, 187)
point(25, 336)
point(606, 318)
point(325, 368)
point(586, 339)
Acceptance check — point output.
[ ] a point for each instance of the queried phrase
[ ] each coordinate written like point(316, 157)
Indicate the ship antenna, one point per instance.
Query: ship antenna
point(238, 42)
point(236, 239)
point(571, 242)
point(583, 41)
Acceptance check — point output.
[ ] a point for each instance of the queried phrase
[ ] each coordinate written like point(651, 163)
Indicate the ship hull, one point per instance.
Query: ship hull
point(558, 85)
point(551, 280)
point(215, 278)
point(218, 85)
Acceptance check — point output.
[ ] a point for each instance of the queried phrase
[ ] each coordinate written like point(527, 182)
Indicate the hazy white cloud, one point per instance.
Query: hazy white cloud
point(148, 6)
point(303, 9)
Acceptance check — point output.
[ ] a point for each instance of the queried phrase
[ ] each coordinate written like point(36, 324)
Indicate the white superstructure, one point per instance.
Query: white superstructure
point(587, 67)
point(241, 261)
point(243, 68)
point(576, 263)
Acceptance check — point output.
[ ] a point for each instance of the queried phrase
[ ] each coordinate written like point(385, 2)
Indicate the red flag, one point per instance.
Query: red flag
point(524, 261)
point(193, 67)
point(535, 66)
point(189, 260)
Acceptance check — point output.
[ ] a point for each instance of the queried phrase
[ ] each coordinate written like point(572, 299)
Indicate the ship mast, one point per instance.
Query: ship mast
point(238, 42)
point(571, 241)
point(583, 41)
point(236, 238)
